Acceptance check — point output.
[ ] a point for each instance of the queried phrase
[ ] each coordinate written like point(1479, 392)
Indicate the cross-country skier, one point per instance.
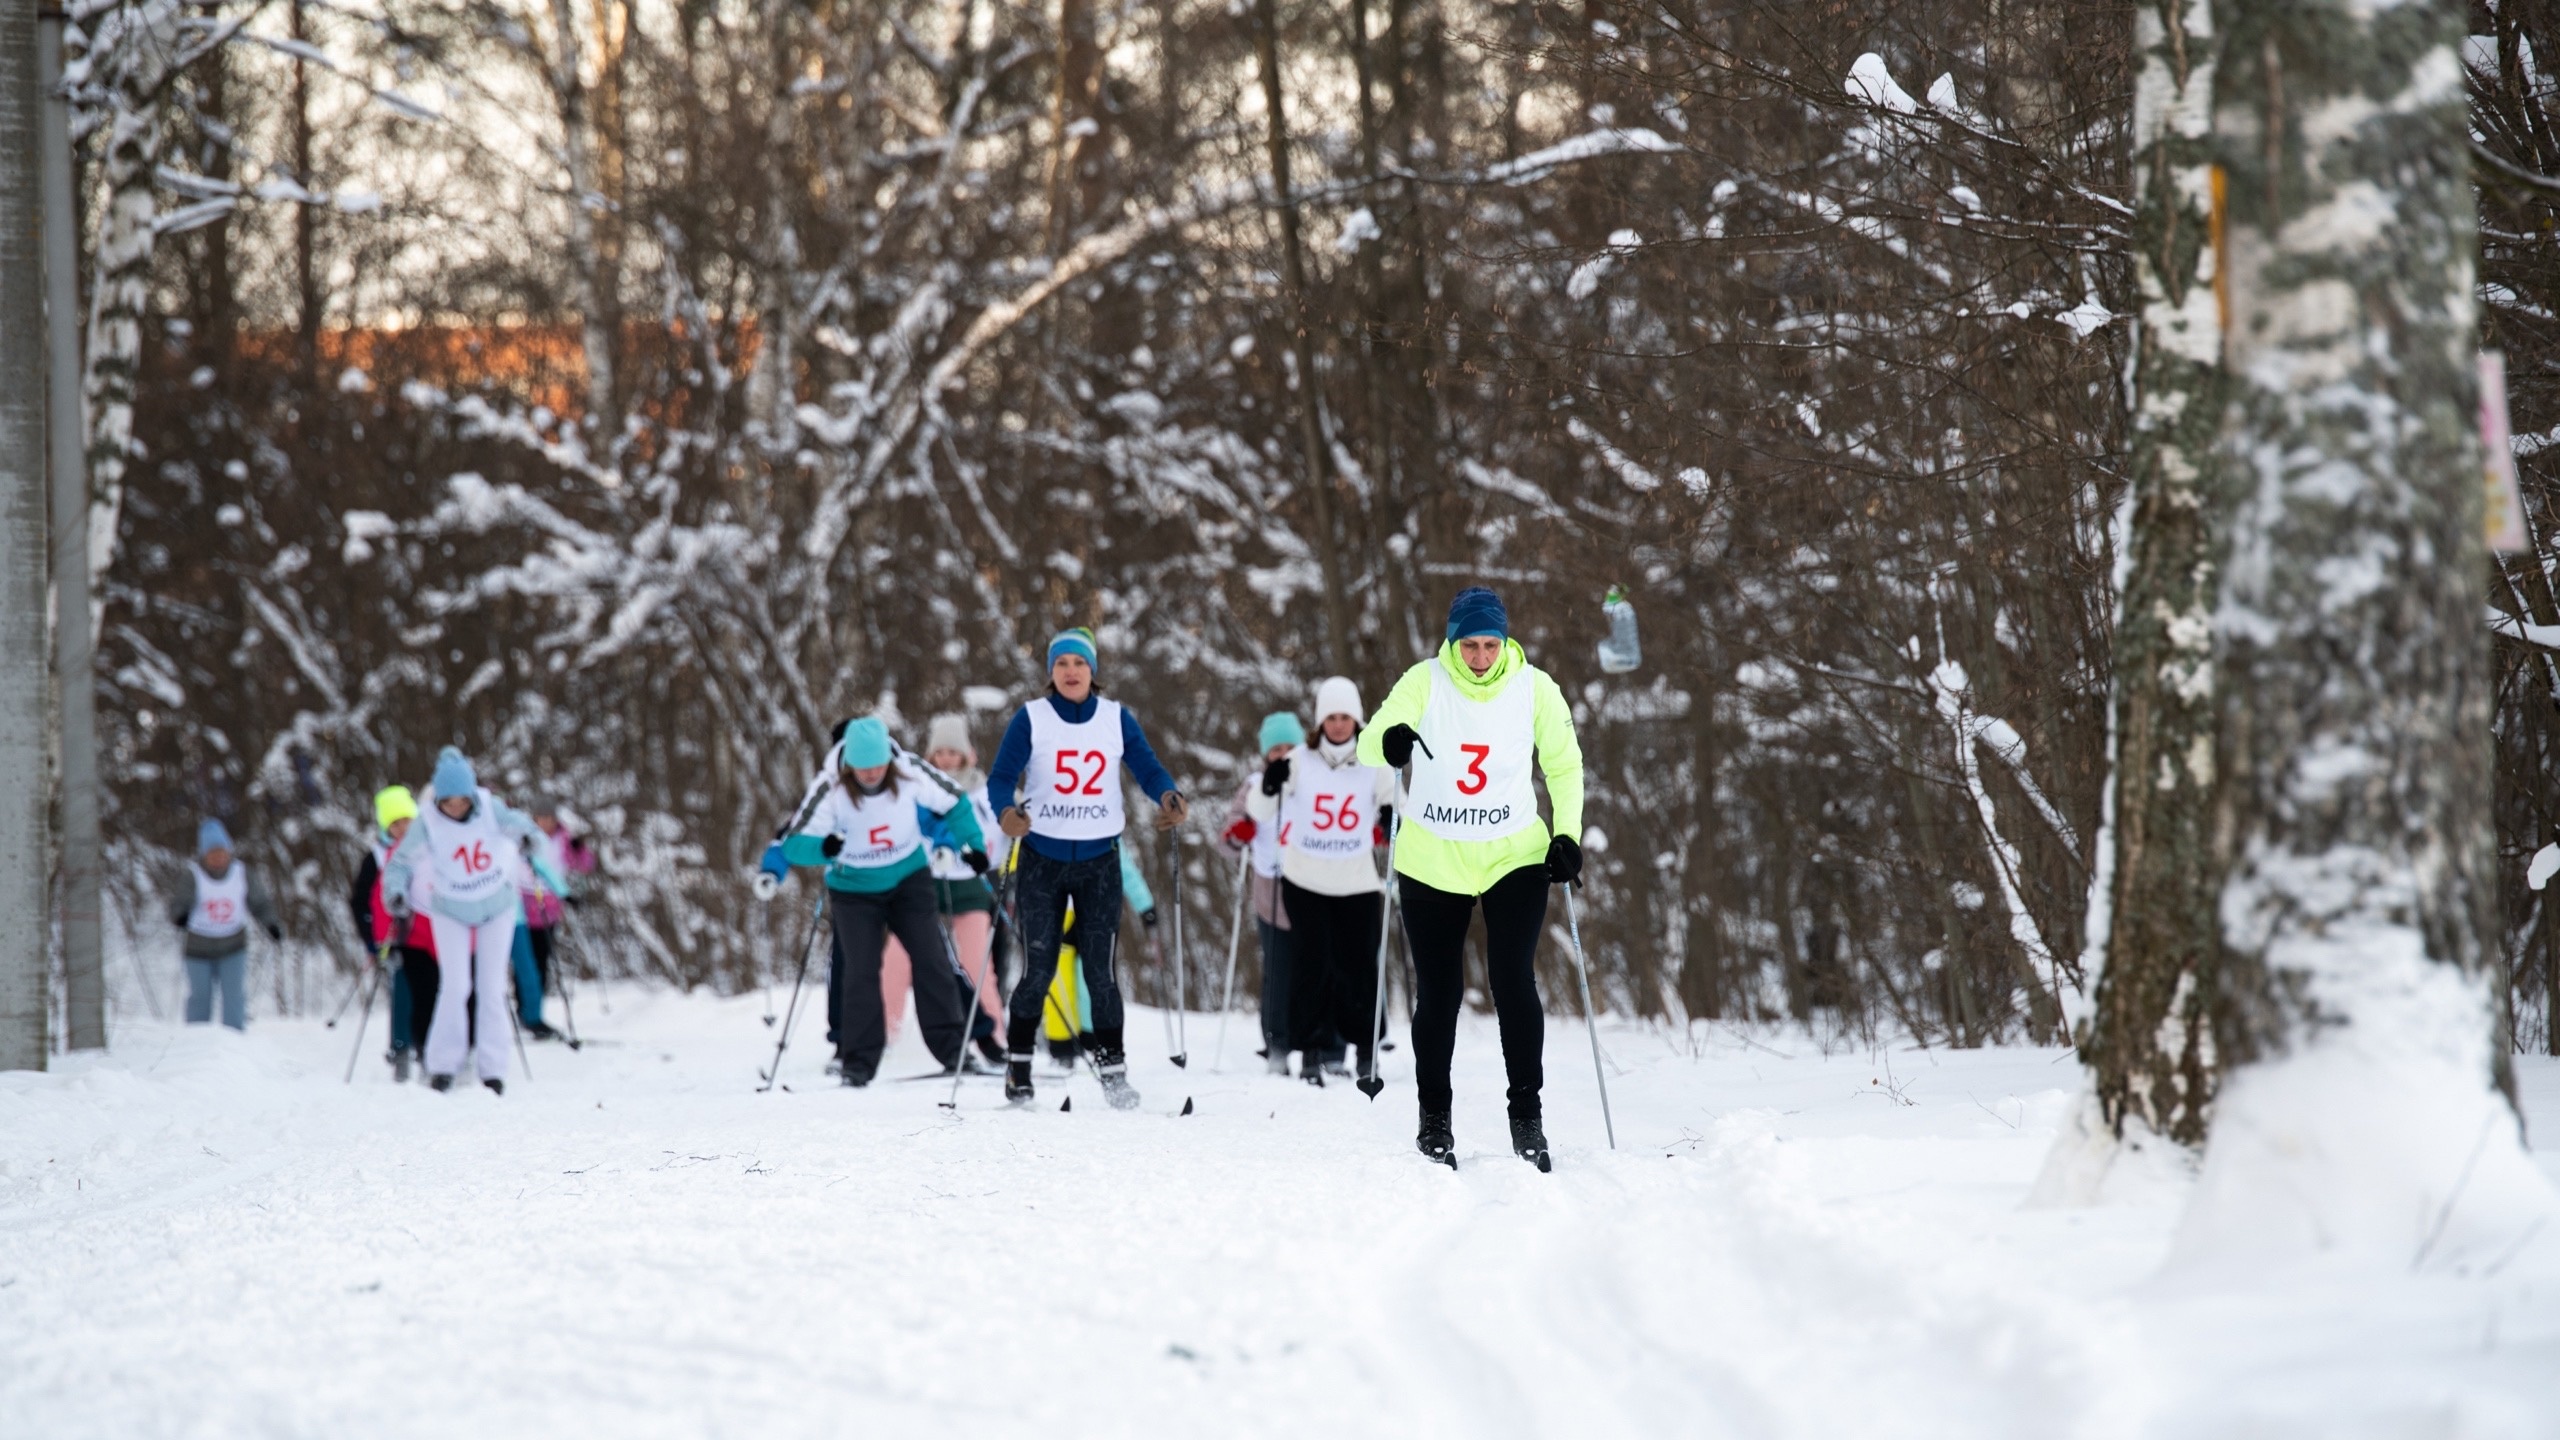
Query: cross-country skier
point(413, 959)
point(1331, 811)
point(868, 832)
point(1065, 752)
point(1470, 720)
point(545, 909)
point(456, 867)
point(213, 901)
point(1280, 734)
point(960, 894)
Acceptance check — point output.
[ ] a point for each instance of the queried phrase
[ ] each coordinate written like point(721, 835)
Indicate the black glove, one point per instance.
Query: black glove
point(397, 907)
point(976, 860)
point(1397, 745)
point(830, 846)
point(1275, 775)
point(1564, 861)
point(275, 932)
point(1147, 918)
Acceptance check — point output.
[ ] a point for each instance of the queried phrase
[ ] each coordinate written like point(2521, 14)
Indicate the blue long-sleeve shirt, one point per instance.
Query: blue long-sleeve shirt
point(1014, 756)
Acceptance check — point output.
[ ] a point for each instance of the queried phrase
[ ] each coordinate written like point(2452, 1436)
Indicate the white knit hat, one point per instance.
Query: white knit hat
point(950, 732)
point(1338, 696)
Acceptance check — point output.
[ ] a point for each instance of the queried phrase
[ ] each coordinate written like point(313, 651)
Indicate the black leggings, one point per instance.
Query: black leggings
point(419, 968)
point(1042, 888)
point(1334, 986)
point(1515, 912)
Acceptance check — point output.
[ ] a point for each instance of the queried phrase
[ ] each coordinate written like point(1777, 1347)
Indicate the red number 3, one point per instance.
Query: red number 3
point(1476, 779)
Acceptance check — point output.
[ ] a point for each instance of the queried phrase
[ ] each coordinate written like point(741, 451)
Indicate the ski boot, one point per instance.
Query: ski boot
point(1435, 1140)
point(1113, 1067)
point(1017, 1082)
point(439, 1083)
point(1312, 1070)
point(1529, 1142)
point(496, 1087)
point(542, 1030)
point(853, 1078)
point(400, 1067)
point(1278, 1060)
point(991, 1051)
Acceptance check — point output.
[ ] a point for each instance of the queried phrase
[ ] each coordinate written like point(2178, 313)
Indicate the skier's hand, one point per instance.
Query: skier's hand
point(1564, 861)
point(1147, 918)
point(772, 863)
point(398, 907)
point(1275, 775)
point(1397, 745)
point(1241, 833)
point(1384, 830)
point(976, 860)
point(832, 846)
point(1172, 810)
point(1013, 822)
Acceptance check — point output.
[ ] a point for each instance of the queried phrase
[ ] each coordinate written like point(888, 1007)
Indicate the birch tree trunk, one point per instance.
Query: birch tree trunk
point(589, 277)
point(2360, 1112)
point(136, 45)
point(2149, 1044)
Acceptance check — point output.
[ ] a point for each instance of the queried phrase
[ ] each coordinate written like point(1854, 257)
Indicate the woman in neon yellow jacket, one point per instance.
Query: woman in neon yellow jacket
point(1470, 721)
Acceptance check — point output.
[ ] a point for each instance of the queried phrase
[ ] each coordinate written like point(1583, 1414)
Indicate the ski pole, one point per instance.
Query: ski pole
point(355, 988)
point(372, 979)
point(1371, 1083)
point(1001, 888)
point(517, 1025)
point(793, 1009)
point(1573, 918)
point(1235, 938)
point(1181, 967)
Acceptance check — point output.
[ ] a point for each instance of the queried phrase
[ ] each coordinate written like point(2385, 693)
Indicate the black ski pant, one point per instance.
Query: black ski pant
point(419, 968)
point(1278, 949)
point(539, 936)
point(864, 924)
point(1334, 986)
point(1515, 913)
point(1042, 890)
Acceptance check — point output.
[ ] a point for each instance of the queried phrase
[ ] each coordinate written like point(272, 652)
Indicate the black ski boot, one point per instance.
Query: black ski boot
point(1435, 1139)
point(1529, 1142)
point(1311, 1070)
point(1017, 1082)
point(496, 1087)
point(440, 1083)
point(1113, 1067)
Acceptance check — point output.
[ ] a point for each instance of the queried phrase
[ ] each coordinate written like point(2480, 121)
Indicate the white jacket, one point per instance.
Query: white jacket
point(1355, 875)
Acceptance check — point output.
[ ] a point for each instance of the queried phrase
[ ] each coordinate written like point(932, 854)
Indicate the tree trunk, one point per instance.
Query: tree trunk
point(2149, 1045)
point(2358, 917)
point(25, 965)
point(1337, 629)
point(592, 273)
point(120, 270)
point(306, 223)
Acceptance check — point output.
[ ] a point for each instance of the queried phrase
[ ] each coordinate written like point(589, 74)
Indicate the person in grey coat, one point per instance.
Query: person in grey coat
point(214, 902)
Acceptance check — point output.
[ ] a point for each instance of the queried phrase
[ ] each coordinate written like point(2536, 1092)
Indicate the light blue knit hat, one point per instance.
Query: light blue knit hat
point(454, 775)
point(212, 836)
point(866, 743)
point(1282, 728)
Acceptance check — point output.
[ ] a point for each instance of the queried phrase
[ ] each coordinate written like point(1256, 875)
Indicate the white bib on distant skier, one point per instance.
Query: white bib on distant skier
point(1268, 838)
point(1474, 782)
point(878, 830)
point(1329, 812)
point(471, 859)
point(222, 906)
point(1071, 789)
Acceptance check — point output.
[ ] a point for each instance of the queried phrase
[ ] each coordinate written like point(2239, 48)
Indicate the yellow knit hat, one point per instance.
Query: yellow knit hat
point(393, 805)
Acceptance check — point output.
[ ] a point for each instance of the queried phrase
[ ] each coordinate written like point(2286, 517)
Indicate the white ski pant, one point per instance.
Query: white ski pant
point(471, 958)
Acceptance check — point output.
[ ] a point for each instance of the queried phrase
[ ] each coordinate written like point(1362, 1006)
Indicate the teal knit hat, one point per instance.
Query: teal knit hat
point(866, 743)
point(1282, 728)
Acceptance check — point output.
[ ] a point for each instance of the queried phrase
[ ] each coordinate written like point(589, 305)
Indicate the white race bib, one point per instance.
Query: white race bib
point(1329, 812)
point(877, 829)
point(1071, 790)
point(222, 906)
point(1473, 784)
point(471, 859)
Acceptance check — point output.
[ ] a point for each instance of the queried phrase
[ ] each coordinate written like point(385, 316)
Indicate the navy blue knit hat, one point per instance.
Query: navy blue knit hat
point(1478, 611)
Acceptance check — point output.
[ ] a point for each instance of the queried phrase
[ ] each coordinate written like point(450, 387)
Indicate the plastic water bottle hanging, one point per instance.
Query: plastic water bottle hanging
point(1619, 653)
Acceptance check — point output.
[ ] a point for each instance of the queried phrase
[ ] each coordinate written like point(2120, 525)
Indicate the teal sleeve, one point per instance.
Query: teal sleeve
point(1133, 886)
point(803, 850)
point(962, 821)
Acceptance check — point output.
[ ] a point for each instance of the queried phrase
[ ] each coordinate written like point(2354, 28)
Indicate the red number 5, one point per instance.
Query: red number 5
point(879, 837)
point(1476, 779)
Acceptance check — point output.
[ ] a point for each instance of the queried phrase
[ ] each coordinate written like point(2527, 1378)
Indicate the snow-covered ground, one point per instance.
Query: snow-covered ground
point(206, 1234)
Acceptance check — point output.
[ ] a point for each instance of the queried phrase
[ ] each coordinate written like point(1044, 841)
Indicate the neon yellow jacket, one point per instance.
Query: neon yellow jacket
point(1470, 867)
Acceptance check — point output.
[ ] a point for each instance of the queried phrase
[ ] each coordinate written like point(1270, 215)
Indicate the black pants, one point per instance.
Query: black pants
point(1515, 912)
point(1042, 889)
point(1334, 983)
point(864, 924)
point(419, 968)
point(540, 937)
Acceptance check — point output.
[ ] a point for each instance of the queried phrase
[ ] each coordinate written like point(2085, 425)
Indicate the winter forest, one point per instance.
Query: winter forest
point(630, 392)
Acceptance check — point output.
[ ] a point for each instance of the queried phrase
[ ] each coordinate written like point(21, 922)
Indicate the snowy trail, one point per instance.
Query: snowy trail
point(206, 1234)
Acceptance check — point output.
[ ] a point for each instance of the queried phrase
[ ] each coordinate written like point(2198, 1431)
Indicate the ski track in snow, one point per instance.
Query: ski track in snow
point(204, 1234)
